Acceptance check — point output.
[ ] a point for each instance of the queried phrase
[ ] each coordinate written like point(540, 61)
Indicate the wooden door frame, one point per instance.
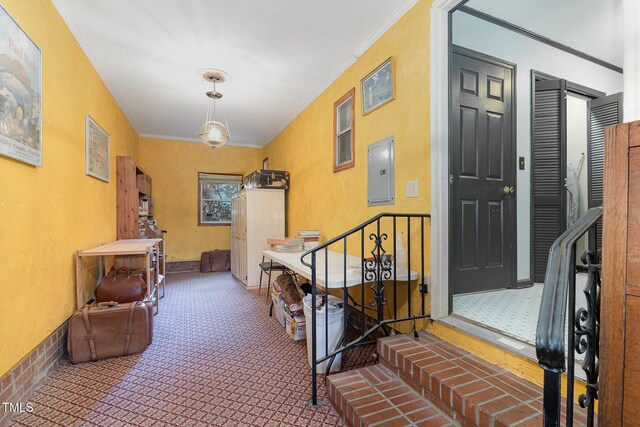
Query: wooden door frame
point(514, 163)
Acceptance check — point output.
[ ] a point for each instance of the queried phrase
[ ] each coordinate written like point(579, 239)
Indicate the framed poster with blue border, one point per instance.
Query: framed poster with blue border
point(20, 93)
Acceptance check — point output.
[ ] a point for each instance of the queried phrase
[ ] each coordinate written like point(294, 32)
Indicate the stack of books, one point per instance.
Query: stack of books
point(285, 244)
point(311, 238)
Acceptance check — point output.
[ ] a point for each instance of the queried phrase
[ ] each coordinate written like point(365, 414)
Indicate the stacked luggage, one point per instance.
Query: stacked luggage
point(118, 323)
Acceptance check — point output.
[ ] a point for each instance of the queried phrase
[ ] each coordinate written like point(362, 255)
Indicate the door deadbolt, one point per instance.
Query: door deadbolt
point(508, 190)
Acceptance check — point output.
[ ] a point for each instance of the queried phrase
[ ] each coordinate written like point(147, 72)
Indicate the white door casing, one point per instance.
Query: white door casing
point(439, 91)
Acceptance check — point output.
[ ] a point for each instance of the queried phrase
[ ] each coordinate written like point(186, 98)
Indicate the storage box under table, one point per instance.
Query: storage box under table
point(278, 308)
point(296, 326)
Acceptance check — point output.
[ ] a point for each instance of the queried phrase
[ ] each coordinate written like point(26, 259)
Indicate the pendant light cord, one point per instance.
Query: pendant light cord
point(214, 99)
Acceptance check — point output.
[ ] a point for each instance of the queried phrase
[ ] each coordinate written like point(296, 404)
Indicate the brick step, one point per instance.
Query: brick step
point(374, 396)
point(463, 386)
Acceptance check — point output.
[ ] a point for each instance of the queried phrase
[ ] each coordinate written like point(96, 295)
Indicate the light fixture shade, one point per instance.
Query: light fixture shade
point(214, 134)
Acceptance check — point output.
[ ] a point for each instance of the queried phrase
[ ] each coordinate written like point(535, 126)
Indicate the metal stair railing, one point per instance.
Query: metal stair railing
point(379, 270)
point(559, 315)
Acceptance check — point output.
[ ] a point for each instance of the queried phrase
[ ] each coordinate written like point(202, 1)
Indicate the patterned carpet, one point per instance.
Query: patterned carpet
point(217, 359)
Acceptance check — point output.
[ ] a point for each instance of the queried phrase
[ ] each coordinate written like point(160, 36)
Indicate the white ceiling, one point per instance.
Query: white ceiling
point(591, 26)
point(281, 54)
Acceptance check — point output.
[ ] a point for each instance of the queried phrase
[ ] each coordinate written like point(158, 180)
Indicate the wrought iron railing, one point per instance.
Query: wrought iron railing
point(388, 277)
point(559, 315)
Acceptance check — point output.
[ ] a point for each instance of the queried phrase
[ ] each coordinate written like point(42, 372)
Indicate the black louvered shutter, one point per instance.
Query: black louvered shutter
point(603, 112)
point(549, 170)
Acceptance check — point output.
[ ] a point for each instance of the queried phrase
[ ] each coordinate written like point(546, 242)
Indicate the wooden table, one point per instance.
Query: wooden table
point(335, 268)
point(125, 247)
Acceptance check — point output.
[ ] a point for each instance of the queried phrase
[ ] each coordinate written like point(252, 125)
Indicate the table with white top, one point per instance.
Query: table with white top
point(335, 277)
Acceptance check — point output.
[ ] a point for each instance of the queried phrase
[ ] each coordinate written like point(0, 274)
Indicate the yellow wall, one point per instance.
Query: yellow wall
point(174, 166)
point(335, 202)
point(48, 213)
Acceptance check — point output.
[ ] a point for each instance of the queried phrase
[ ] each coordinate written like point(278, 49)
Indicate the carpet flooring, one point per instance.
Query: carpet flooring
point(217, 359)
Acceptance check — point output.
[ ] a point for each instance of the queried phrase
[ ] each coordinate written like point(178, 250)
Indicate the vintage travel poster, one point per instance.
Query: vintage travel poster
point(20, 94)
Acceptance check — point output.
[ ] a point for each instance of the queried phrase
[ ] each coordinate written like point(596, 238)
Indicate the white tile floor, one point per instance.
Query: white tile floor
point(511, 311)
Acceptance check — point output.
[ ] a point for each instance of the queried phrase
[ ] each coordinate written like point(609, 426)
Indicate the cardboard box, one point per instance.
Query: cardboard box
point(278, 308)
point(296, 327)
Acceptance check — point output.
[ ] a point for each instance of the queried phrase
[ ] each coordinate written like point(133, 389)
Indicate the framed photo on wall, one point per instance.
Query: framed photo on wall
point(20, 93)
point(377, 87)
point(97, 151)
point(265, 163)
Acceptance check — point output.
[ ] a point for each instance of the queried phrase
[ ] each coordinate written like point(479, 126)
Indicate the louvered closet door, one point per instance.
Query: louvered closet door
point(549, 170)
point(603, 112)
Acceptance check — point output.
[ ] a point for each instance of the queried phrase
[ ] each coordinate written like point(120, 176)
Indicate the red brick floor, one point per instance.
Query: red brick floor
point(374, 396)
point(217, 359)
point(472, 390)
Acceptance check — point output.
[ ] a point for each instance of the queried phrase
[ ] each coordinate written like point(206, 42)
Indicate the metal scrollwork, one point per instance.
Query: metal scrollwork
point(587, 325)
point(377, 269)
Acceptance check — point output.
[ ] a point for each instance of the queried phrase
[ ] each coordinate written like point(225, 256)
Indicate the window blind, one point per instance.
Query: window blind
point(220, 178)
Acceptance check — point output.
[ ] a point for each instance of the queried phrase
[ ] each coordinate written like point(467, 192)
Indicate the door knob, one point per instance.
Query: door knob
point(508, 190)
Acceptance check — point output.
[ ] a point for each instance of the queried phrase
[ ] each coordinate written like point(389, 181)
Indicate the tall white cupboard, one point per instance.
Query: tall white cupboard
point(256, 214)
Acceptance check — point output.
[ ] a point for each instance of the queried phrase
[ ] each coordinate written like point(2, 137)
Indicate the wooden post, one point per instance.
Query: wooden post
point(614, 275)
point(148, 268)
point(79, 287)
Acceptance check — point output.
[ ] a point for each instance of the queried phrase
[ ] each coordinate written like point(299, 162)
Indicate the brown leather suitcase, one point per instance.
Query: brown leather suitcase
point(122, 287)
point(109, 330)
point(205, 262)
point(215, 260)
point(220, 260)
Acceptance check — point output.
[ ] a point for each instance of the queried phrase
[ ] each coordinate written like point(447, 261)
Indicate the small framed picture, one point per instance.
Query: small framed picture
point(377, 87)
point(265, 163)
point(97, 151)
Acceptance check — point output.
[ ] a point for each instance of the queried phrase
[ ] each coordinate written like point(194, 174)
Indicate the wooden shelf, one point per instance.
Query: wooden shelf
point(133, 192)
point(145, 248)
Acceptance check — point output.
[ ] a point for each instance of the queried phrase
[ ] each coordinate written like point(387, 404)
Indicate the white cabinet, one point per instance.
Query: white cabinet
point(256, 214)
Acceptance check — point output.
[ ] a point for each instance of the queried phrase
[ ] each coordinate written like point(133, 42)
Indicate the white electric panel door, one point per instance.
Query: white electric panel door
point(380, 173)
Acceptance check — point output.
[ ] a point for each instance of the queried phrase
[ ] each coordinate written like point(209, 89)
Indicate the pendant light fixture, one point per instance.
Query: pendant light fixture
point(214, 133)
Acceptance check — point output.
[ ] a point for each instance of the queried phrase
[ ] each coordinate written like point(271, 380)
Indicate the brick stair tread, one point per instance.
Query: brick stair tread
point(475, 391)
point(374, 396)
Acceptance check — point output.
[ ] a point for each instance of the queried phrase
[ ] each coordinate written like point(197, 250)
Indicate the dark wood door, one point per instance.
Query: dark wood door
point(482, 168)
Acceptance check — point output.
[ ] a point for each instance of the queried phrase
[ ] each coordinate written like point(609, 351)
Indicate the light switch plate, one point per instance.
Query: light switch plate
point(412, 188)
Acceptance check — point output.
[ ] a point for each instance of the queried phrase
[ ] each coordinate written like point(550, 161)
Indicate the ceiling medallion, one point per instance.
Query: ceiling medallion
point(213, 133)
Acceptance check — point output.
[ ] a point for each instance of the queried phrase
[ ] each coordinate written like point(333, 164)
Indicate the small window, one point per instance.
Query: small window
point(343, 123)
point(214, 197)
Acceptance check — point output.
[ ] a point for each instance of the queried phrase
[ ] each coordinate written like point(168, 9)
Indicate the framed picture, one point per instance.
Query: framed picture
point(20, 93)
point(97, 161)
point(265, 163)
point(377, 87)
